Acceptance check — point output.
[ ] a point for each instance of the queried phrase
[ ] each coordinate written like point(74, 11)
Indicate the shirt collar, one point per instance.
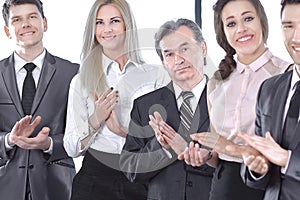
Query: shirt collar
point(20, 62)
point(295, 78)
point(107, 64)
point(197, 90)
point(257, 64)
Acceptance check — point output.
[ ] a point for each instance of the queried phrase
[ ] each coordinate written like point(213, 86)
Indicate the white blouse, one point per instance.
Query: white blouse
point(134, 81)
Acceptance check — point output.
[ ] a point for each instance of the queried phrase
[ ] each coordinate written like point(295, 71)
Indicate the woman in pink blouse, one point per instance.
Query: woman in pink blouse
point(241, 30)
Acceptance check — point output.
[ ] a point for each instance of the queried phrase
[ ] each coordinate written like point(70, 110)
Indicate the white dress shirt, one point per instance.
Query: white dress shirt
point(133, 81)
point(20, 77)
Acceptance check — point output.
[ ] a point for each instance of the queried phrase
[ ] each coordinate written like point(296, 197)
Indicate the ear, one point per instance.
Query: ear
point(6, 30)
point(45, 24)
point(163, 64)
point(204, 48)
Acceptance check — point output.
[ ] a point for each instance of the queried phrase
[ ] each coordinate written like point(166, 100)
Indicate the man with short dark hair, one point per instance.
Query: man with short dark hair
point(34, 89)
point(162, 121)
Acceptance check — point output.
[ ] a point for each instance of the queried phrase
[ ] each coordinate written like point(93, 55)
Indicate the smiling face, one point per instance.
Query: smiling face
point(26, 26)
point(183, 56)
point(243, 30)
point(110, 29)
point(291, 30)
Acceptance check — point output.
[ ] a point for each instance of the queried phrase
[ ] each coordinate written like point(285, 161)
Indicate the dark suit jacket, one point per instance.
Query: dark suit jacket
point(270, 117)
point(144, 160)
point(50, 176)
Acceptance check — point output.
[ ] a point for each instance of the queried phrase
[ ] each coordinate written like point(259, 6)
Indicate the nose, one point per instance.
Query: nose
point(178, 59)
point(296, 37)
point(25, 23)
point(241, 27)
point(107, 28)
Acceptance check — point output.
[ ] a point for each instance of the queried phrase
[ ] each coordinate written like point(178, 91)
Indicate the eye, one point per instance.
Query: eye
point(115, 21)
point(168, 55)
point(14, 20)
point(287, 26)
point(33, 16)
point(99, 22)
point(184, 50)
point(231, 24)
point(249, 19)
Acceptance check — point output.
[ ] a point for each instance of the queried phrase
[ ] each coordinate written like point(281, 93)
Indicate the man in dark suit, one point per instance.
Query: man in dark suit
point(33, 97)
point(277, 123)
point(154, 142)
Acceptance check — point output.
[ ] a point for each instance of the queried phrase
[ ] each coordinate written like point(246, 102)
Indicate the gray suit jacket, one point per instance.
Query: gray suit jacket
point(50, 176)
point(270, 110)
point(144, 160)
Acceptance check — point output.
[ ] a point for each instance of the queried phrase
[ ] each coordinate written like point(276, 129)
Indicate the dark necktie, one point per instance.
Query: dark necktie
point(291, 117)
point(28, 89)
point(186, 113)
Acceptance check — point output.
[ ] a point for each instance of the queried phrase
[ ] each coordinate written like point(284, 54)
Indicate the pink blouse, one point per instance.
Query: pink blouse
point(233, 100)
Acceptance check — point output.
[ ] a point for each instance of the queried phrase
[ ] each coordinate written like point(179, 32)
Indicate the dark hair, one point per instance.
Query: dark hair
point(228, 64)
point(10, 3)
point(287, 2)
point(172, 26)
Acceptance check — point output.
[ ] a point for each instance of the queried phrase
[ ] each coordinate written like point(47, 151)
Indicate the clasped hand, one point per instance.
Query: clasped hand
point(166, 135)
point(23, 129)
point(104, 112)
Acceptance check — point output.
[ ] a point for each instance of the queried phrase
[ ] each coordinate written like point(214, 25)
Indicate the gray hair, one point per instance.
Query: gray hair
point(171, 27)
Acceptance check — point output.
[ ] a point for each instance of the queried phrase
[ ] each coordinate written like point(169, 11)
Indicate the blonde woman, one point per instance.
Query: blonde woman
point(112, 73)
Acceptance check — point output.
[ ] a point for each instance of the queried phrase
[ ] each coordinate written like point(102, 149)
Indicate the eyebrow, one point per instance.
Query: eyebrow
point(18, 16)
point(286, 22)
point(112, 18)
point(243, 13)
point(181, 45)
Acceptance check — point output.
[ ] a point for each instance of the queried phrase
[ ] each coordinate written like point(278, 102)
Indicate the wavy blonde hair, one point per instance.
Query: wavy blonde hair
point(91, 69)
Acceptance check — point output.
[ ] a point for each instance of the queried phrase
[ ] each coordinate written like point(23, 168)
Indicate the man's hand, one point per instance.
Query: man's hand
point(22, 130)
point(268, 147)
point(166, 135)
point(194, 155)
point(252, 158)
point(154, 122)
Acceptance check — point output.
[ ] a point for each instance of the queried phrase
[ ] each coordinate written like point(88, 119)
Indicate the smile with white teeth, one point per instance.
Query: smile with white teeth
point(297, 48)
point(244, 39)
point(28, 33)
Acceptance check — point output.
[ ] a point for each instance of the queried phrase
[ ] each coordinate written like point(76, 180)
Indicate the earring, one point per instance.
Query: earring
point(204, 61)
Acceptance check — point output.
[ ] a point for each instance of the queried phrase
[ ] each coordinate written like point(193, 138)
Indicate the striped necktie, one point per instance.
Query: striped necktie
point(186, 113)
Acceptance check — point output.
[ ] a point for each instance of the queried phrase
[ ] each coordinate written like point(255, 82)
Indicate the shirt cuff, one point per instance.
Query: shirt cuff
point(283, 169)
point(7, 146)
point(167, 152)
point(49, 151)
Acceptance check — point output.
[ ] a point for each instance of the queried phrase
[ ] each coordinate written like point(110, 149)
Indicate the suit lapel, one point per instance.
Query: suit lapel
point(9, 77)
point(200, 115)
point(47, 73)
point(279, 106)
point(170, 104)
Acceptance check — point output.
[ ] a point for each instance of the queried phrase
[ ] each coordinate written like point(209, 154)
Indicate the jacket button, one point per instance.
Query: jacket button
point(189, 183)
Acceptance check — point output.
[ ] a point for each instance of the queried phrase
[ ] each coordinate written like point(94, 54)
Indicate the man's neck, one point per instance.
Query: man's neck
point(29, 54)
point(190, 84)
